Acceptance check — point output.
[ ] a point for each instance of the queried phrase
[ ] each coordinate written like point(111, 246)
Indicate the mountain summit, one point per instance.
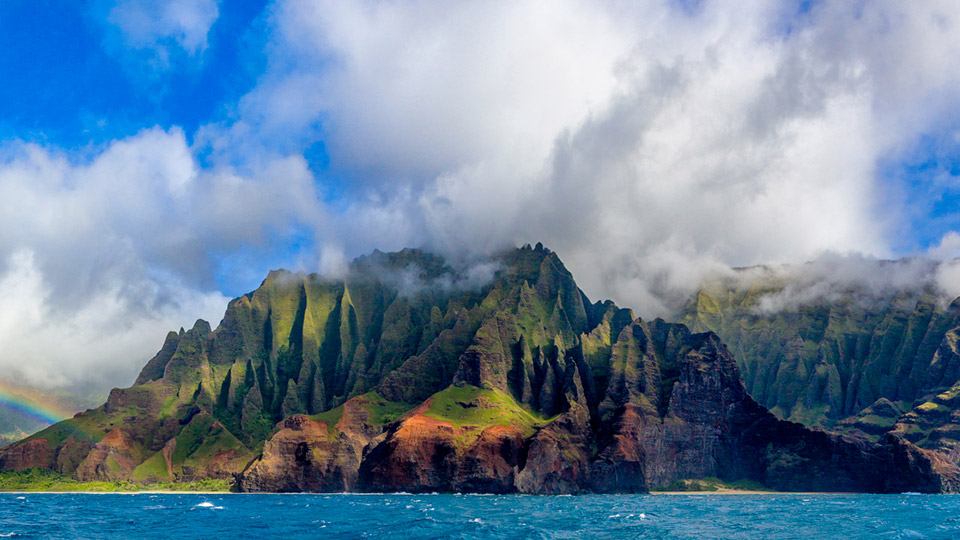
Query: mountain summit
point(410, 374)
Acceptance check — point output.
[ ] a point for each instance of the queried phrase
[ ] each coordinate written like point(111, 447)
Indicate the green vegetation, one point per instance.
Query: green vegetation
point(475, 408)
point(820, 359)
point(518, 351)
point(45, 480)
point(330, 418)
point(784, 461)
point(712, 484)
point(381, 411)
point(153, 469)
point(306, 344)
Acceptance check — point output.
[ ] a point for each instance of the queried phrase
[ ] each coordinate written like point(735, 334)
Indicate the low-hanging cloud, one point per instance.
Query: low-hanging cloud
point(864, 281)
point(413, 279)
point(650, 144)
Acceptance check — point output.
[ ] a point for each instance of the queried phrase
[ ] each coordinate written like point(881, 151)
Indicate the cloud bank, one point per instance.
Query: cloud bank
point(865, 281)
point(105, 255)
point(650, 144)
point(647, 143)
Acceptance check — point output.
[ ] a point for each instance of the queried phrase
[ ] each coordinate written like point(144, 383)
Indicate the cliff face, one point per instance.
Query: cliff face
point(674, 409)
point(315, 454)
point(827, 359)
point(410, 375)
point(876, 365)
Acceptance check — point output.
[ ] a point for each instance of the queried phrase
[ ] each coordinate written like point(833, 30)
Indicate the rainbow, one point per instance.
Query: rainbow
point(33, 404)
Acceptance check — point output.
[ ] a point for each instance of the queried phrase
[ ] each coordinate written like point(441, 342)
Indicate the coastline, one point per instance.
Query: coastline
point(657, 493)
point(138, 492)
point(750, 492)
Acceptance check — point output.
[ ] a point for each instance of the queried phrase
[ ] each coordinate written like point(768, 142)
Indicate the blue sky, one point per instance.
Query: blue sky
point(158, 158)
point(75, 83)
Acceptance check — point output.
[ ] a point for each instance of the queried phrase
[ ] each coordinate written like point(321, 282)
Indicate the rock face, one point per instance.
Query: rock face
point(310, 455)
point(26, 455)
point(829, 358)
point(408, 375)
point(861, 361)
point(674, 408)
point(110, 459)
point(425, 454)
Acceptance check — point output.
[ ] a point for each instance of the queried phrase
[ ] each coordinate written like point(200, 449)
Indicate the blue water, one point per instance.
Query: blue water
point(478, 516)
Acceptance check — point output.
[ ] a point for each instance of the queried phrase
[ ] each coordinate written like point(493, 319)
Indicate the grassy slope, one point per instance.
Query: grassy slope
point(712, 484)
point(475, 409)
point(379, 412)
point(44, 480)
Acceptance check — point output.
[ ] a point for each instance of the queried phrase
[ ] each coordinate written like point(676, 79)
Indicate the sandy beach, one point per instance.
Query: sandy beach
point(749, 492)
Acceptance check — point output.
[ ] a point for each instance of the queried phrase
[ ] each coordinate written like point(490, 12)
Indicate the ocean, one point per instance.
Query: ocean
point(145, 515)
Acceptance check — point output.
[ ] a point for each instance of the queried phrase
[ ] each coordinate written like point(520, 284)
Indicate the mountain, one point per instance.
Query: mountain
point(856, 360)
point(409, 374)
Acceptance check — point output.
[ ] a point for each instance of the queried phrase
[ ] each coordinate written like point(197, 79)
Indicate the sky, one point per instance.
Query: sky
point(160, 157)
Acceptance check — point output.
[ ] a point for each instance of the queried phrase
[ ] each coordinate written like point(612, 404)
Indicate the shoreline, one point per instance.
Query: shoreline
point(139, 492)
point(722, 492)
point(753, 492)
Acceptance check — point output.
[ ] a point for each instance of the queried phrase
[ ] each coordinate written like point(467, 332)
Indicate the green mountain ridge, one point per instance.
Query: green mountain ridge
point(855, 361)
point(410, 374)
point(302, 344)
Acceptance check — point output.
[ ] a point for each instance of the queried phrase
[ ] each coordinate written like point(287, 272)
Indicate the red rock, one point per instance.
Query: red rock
point(110, 459)
point(304, 456)
point(423, 454)
point(26, 455)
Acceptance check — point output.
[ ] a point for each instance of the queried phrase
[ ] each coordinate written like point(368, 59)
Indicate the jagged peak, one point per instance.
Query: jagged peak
point(426, 264)
point(201, 326)
point(281, 277)
point(526, 263)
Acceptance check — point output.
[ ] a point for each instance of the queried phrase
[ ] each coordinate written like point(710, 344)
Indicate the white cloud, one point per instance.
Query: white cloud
point(868, 281)
point(164, 26)
point(648, 144)
point(102, 257)
point(948, 278)
point(947, 248)
point(102, 343)
point(415, 90)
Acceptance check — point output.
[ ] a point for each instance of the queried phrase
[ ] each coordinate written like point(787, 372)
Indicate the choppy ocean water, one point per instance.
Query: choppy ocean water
point(477, 516)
